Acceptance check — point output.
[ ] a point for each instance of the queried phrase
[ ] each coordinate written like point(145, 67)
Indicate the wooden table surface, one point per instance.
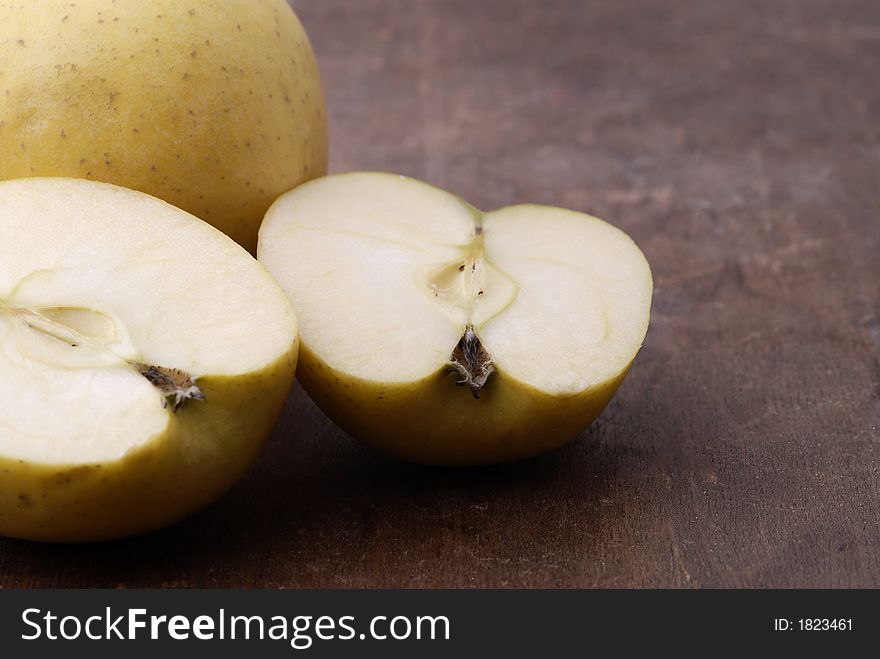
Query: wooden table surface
point(739, 144)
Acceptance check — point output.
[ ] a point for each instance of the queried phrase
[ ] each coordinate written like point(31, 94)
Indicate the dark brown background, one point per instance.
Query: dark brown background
point(739, 144)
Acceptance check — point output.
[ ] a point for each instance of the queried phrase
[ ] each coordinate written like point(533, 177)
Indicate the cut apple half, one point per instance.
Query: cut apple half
point(144, 357)
point(444, 335)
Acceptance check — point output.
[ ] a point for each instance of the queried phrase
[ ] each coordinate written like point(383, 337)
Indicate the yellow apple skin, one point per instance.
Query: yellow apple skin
point(439, 423)
point(214, 106)
point(207, 446)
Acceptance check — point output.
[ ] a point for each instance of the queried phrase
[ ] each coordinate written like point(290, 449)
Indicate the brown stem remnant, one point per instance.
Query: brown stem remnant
point(471, 361)
point(172, 383)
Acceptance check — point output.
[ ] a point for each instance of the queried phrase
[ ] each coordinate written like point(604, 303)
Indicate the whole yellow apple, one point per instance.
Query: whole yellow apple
point(214, 106)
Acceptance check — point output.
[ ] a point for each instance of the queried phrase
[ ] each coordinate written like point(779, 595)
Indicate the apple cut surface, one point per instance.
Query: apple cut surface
point(403, 291)
point(144, 357)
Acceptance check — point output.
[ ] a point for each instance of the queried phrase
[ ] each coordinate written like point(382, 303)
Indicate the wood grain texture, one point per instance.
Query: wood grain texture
point(739, 144)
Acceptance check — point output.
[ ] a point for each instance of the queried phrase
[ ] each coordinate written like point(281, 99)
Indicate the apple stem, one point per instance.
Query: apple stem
point(471, 361)
point(171, 383)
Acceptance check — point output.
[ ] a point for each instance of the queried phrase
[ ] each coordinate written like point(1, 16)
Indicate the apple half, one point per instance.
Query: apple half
point(444, 335)
point(144, 357)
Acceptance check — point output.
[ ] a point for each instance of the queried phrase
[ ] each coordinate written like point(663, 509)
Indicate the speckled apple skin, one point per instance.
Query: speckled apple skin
point(215, 106)
point(433, 421)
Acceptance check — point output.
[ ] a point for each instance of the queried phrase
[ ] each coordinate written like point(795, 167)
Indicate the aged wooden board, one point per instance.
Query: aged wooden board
point(739, 144)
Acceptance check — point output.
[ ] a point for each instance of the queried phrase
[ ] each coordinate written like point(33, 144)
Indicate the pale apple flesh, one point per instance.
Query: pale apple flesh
point(144, 357)
point(403, 291)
